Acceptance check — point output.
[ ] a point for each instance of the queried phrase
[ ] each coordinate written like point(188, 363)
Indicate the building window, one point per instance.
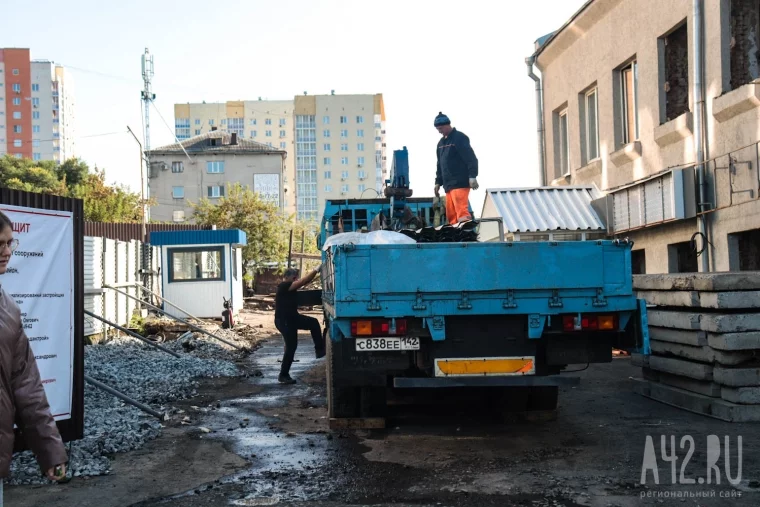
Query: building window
point(343, 146)
point(178, 167)
point(35, 102)
point(344, 189)
point(224, 121)
point(216, 167)
point(178, 216)
point(344, 161)
point(326, 161)
point(197, 132)
point(682, 258)
point(326, 147)
point(268, 121)
point(35, 129)
point(17, 129)
point(744, 251)
point(35, 115)
point(744, 53)
point(211, 122)
point(215, 191)
point(360, 133)
point(17, 143)
point(269, 144)
point(35, 87)
point(36, 156)
point(16, 101)
point(16, 87)
point(15, 72)
point(205, 264)
point(628, 101)
point(178, 192)
point(328, 175)
point(590, 127)
point(253, 122)
point(360, 146)
point(236, 126)
point(283, 145)
point(18, 155)
point(343, 133)
point(36, 143)
point(282, 133)
point(638, 262)
point(344, 119)
point(326, 133)
point(197, 121)
point(253, 133)
point(16, 115)
point(328, 188)
point(326, 120)
point(282, 122)
point(360, 161)
point(674, 95)
point(360, 119)
point(268, 133)
point(562, 146)
point(362, 175)
point(362, 187)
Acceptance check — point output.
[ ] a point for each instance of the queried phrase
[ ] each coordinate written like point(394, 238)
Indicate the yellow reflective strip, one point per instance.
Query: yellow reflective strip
point(484, 366)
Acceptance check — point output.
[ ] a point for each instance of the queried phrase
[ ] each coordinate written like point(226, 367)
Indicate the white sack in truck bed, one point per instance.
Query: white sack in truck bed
point(369, 238)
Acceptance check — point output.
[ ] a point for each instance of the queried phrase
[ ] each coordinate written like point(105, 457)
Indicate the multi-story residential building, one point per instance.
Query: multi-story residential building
point(204, 166)
point(335, 143)
point(646, 100)
point(37, 110)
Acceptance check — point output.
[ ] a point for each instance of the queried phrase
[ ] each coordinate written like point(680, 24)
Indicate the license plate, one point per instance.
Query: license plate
point(386, 344)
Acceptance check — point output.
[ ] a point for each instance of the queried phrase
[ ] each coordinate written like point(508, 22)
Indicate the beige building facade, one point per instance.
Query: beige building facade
point(204, 166)
point(618, 111)
point(335, 144)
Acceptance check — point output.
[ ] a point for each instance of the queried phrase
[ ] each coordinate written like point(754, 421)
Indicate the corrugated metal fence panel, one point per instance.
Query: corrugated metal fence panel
point(546, 209)
point(109, 277)
point(129, 232)
point(133, 249)
point(93, 281)
point(121, 277)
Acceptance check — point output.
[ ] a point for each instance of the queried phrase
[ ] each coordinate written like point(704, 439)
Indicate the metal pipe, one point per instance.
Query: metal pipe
point(539, 118)
point(131, 333)
point(188, 324)
point(127, 399)
point(143, 287)
point(699, 125)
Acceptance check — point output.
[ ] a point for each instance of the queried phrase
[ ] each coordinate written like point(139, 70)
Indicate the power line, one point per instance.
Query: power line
point(75, 138)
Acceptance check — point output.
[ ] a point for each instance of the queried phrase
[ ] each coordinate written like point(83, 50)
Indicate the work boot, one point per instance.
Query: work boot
point(320, 353)
point(284, 378)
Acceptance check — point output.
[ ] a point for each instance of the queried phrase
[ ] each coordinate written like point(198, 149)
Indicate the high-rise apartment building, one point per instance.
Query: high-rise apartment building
point(37, 109)
point(335, 144)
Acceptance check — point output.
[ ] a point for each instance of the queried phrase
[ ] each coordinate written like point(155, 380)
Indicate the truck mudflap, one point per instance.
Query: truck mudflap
point(523, 381)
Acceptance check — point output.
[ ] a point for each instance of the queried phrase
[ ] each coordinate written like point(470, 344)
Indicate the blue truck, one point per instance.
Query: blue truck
point(453, 313)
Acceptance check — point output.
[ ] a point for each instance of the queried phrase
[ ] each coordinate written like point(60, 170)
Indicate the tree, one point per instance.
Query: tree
point(73, 178)
point(265, 227)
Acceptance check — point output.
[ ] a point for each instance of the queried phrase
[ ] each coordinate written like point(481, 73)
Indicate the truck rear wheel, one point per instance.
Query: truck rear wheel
point(342, 401)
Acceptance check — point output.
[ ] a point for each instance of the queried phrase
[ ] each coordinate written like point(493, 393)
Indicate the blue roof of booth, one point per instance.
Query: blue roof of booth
point(214, 237)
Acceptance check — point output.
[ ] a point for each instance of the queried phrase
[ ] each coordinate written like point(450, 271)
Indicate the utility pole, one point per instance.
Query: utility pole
point(146, 280)
point(147, 97)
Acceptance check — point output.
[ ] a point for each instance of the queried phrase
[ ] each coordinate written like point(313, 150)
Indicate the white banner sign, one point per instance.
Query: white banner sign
point(268, 187)
point(40, 278)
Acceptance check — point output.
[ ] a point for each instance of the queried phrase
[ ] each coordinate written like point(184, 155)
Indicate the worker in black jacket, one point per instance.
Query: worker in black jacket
point(456, 171)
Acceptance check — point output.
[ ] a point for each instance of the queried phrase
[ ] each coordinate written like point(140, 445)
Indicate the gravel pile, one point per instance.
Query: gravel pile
point(145, 374)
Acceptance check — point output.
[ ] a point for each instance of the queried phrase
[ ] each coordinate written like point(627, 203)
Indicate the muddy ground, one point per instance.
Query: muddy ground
point(254, 442)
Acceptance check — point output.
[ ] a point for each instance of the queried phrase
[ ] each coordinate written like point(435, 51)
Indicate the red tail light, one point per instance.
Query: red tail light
point(378, 327)
point(568, 323)
point(571, 323)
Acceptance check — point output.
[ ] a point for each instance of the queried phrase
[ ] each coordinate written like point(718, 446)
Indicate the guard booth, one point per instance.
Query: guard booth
point(200, 269)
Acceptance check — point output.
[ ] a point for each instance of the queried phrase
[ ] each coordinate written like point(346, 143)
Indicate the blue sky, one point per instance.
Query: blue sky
point(463, 58)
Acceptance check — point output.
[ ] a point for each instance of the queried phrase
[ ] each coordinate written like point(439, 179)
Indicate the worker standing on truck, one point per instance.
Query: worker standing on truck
point(288, 321)
point(456, 171)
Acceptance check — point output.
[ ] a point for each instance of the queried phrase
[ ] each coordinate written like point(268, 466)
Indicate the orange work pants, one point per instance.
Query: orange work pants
point(457, 201)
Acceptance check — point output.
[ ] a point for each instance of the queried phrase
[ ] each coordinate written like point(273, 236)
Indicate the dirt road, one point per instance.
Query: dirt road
point(255, 442)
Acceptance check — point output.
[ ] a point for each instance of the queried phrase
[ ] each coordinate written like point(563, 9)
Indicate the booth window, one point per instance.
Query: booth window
point(204, 264)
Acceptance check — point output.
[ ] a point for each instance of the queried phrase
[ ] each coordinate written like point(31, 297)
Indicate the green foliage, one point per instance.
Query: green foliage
point(73, 178)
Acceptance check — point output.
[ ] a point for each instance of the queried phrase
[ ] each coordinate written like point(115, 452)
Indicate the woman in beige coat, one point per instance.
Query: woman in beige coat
point(22, 397)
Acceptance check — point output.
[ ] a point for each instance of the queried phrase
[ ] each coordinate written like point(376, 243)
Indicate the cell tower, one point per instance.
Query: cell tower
point(147, 94)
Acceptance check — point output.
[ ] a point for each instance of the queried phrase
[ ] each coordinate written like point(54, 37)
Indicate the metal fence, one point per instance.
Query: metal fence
point(129, 232)
point(732, 178)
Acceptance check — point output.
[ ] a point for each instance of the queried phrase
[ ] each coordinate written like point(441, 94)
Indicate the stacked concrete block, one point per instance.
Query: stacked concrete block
point(705, 343)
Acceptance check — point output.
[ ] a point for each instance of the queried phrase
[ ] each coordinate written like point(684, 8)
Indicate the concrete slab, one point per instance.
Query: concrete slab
point(693, 338)
point(679, 298)
point(682, 367)
point(710, 322)
point(697, 403)
point(740, 300)
point(710, 389)
point(737, 377)
point(708, 282)
point(734, 341)
point(704, 354)
point(741, 395)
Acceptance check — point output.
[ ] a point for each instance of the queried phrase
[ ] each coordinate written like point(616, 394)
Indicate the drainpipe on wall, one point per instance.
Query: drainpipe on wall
point(539, 118)
point(699, 125)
